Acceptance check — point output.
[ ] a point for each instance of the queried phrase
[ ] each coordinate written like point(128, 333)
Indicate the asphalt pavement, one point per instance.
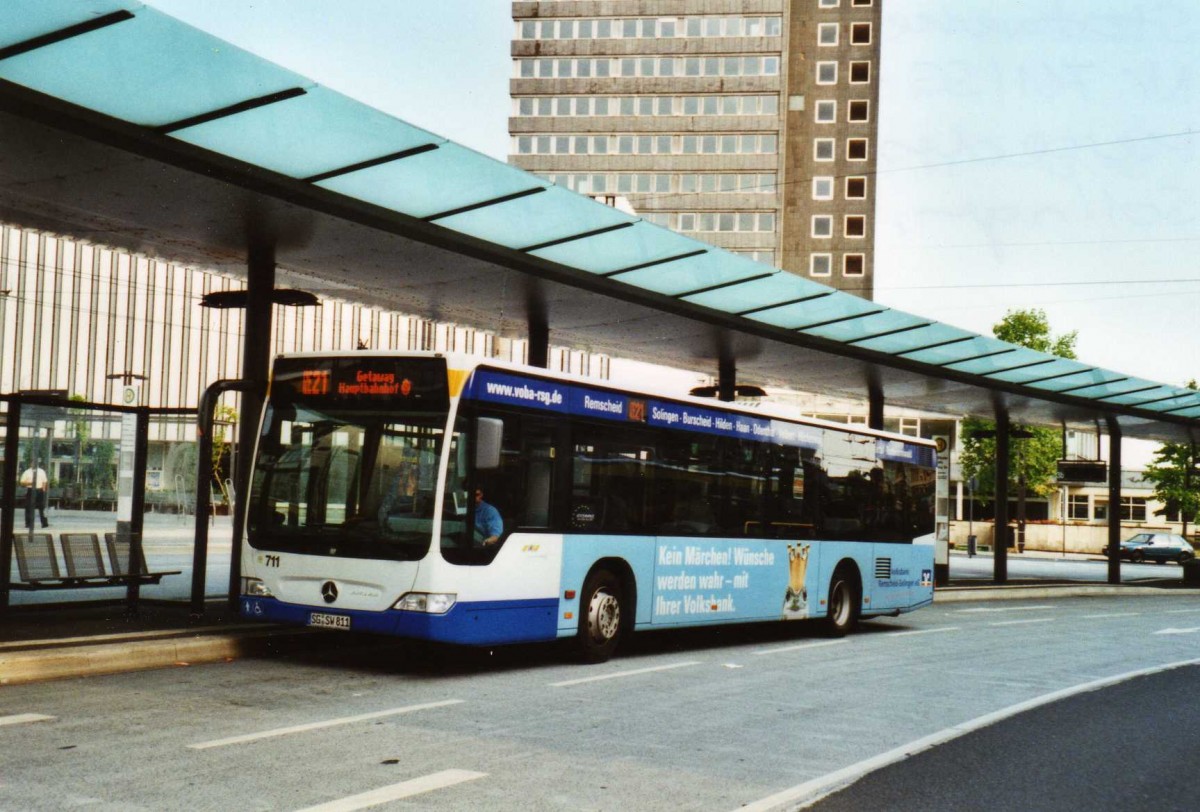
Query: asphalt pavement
point(1128, 746)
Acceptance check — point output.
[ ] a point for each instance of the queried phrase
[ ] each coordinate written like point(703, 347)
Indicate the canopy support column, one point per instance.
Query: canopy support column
point(1000, 541)
point(539, 340)
point(1114, 500)
point(875, 406)
point(726, 379)
point(256, 370)
point(8, 497)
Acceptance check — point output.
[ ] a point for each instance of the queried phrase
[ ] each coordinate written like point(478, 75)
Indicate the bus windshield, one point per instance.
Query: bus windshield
point(348, 477)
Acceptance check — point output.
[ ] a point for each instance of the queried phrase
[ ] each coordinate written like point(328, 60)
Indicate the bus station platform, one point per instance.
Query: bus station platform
point(60, 641)
point(45, 642)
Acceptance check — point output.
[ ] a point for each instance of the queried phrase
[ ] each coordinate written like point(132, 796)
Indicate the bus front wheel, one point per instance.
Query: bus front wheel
point(844, 599)
point(600, 620)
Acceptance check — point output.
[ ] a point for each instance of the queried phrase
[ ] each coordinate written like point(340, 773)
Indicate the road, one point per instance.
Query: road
point(741, 717)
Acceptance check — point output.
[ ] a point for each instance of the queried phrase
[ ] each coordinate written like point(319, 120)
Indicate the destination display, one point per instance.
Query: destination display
point(407, 383)
point(494, 386)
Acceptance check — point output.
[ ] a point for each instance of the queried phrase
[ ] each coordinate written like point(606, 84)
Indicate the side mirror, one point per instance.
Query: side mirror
point(489, 437)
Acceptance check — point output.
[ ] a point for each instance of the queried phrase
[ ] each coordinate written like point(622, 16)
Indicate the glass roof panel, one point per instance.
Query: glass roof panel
point(1134, 397)
point(1102, 391)
point(867, 326)
point(1185, 398)
point(781, 287)
point(900, 343)
point(304, 136)
point(151, 70)
point(641, 243)
point(1089, 377)
point(444, 179)
point(551, 215)
point(1054, 366)
point(22, 20)
point(717, 267)
point(817, 311)
point(1192, 412)
point(962, 351)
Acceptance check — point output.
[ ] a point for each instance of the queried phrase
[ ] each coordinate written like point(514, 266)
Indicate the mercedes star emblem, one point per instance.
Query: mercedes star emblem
point(329, 591)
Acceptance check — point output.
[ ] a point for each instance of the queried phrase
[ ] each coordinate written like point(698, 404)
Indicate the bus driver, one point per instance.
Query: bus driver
point(488, 524)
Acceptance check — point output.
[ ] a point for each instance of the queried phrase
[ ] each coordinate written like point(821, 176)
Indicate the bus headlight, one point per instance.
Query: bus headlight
point(431, 603)
point(255, 588)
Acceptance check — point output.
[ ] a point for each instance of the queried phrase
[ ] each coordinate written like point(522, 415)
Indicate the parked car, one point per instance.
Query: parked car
point(1160, 547)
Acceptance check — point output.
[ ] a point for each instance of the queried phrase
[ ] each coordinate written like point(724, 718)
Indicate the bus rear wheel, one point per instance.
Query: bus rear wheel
point(842, 615)
point(600, 617)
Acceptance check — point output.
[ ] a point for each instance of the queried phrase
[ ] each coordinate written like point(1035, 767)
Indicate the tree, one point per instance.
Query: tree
point(1034, 459)
point(1176, 481)
point(1031, 328)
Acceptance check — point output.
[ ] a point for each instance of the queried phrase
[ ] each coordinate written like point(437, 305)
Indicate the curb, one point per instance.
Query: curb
point(1038, 591)
point(38, 661)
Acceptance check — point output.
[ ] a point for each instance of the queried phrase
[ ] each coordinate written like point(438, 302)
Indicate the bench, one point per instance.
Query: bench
point(38, 567)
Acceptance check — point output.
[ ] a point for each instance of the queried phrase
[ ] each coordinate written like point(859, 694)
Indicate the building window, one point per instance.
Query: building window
point(826, 112)
point(860, 73)
point(820, 264)
point(858, 111)
point(822, 188)
point(856, 188)
point(828, 3)
point(1100, 510)
point(1077, 507)
point(827, 73)
point(862, 2)
point(1133, 509)
point(823, 149)
point(822, 225)
point(827, 34)
point(853, 265)
point(856, 149)
point(855, 225)
point(860, 34)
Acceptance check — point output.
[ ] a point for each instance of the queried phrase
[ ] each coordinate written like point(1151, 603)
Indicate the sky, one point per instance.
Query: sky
point(1032, 153)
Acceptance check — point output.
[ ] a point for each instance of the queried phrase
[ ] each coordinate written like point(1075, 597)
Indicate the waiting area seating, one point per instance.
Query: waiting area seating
point(83, 563)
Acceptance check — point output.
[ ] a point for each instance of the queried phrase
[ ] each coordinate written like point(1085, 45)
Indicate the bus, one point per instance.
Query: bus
point(456, 499)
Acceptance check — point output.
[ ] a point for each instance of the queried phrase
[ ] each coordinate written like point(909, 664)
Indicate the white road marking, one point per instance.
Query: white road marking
point(619, 674)
point(1192, 630)
point(345, 720)
point(1110, 614)
point(922, 631)
point(1001, 609)
point(24, 718)
point(800, 647)
point(805, 795)
point(405, 789)
point(1020, 622)
point(1180, 611)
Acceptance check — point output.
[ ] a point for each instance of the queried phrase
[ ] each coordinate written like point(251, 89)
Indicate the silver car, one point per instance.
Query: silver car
point(1160, 547)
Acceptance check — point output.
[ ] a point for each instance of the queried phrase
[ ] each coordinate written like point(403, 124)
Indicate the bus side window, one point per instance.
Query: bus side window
point(539, 478)
point(612, 480)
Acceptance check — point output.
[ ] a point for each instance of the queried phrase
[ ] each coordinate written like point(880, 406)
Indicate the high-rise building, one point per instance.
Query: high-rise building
point(750, 124)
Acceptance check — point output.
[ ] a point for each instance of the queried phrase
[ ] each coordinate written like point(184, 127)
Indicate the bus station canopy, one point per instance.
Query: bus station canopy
point(123, 126)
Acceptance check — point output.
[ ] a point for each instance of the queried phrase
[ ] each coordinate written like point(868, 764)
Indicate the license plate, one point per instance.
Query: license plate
point(329, 621)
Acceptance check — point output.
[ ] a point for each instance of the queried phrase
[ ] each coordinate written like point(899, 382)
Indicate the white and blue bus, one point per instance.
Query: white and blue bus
point(378, 479)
